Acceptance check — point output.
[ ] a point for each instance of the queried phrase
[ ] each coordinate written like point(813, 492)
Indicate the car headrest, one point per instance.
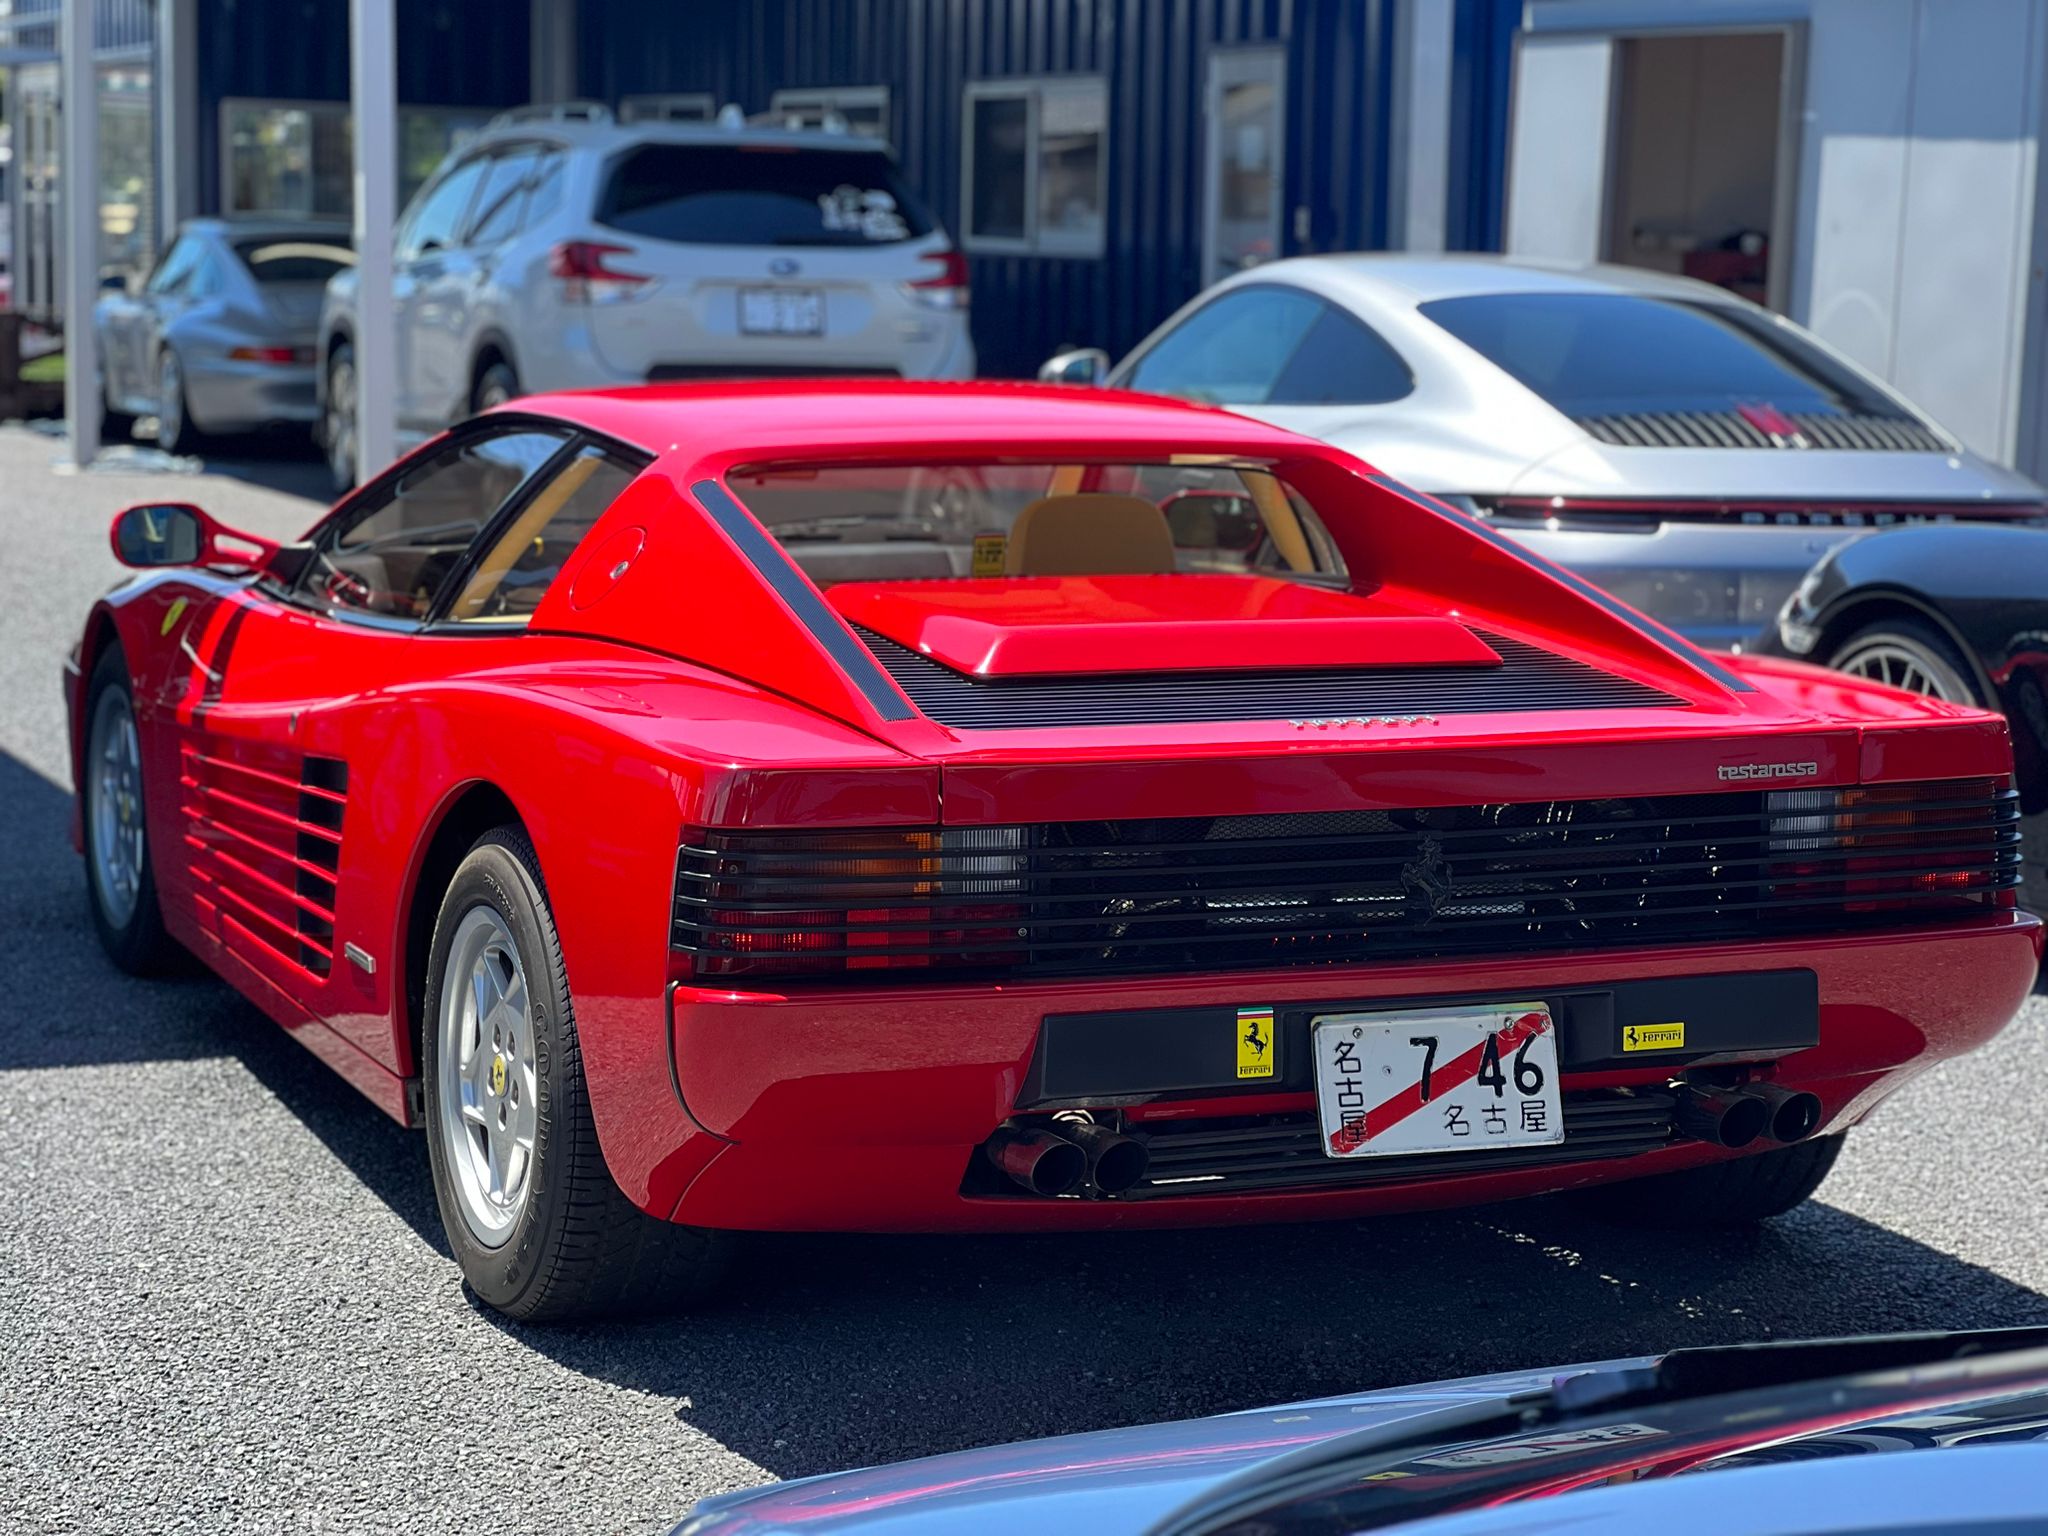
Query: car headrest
point(1089, 533)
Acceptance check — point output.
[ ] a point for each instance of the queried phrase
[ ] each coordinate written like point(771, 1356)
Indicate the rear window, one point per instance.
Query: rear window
point(935, 521)
point(1598, 354)
point(294, 261)
point(767, 194)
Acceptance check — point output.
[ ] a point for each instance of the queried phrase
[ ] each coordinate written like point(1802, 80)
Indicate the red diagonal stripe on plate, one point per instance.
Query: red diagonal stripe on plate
point(1452, 1074)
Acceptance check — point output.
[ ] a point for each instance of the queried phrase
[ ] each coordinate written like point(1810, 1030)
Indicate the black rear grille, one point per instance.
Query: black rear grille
point(1729, 429)
point(1528, 678)
point(1239, 892)
point(1230, 1156)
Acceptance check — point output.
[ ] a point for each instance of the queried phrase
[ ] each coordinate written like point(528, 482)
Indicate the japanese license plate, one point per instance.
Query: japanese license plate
point(1437, 1080)
point(782, 311)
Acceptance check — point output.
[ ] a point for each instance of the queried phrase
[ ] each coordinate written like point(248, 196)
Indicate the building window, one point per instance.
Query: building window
point(863, 109)
point(297, 157)
point(1033, 176)
point(668, 107)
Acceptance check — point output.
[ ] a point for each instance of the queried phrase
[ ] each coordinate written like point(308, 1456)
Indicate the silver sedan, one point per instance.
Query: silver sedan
point(220, 336)
point(1688, 451)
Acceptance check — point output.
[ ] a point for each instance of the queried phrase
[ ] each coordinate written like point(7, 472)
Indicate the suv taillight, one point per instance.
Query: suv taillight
point(946, 287)
point(583, 267)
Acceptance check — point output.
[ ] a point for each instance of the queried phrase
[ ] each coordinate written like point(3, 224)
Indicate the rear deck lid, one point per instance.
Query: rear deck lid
point(1063, 626)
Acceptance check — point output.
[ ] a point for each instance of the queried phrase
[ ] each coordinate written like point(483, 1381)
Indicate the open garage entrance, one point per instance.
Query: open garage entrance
point(1698, 171)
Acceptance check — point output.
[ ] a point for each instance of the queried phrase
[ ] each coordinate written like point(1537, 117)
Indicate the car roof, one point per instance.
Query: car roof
point(881, 418)
point(1402, 277)
point(262, 228)
point(606, 134)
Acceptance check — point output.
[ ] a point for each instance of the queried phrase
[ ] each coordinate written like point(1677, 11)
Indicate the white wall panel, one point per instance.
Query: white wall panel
point(1561, 110)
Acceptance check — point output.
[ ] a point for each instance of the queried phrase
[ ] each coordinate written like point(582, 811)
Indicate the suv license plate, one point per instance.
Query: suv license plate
point(1437, 1080)
point(782, 312)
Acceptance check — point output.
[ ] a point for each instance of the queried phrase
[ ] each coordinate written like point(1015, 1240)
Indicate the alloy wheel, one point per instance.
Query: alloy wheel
point(340, 425)
point(488, 1076)
point(170, 402)
point(114, 803)
point(1901, 664)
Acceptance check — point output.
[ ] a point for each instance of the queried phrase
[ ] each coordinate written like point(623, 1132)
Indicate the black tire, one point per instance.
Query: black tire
point(579, 1248)
point(494, 386)
point(136, 941)
point(115, 426)
point(337, 431)
point(175, 432)
point(1736, 1193)
point(1916, 641)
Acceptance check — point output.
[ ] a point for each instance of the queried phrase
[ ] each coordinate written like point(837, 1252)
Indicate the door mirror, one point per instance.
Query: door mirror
point(171, 533)
point(1076, 365)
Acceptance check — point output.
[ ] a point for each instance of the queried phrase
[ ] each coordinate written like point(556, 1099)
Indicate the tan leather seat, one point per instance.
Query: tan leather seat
point(1089, 533)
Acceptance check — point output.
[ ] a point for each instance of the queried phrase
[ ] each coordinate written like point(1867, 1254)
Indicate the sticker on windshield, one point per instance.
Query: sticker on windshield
point(850, 211)
point(990, 552)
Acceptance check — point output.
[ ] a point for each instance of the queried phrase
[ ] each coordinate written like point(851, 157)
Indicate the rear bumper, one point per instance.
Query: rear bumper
point(850, 1110)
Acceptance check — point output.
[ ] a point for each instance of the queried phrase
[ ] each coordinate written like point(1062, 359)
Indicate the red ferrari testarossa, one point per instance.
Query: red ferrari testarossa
point(862, 806)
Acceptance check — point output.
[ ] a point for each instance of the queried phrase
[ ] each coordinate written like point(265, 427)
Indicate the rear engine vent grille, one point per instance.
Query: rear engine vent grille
point(1243, 892)
point(1730, 429)
point(1528, 678)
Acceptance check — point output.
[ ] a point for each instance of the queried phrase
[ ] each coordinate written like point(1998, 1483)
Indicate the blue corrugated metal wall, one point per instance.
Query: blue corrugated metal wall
point(451, 53)
point(1154, 54)
point(1482, 71)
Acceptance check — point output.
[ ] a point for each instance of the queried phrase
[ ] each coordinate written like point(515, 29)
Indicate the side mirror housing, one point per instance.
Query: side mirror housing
point(157, 534)
point(1076, 365)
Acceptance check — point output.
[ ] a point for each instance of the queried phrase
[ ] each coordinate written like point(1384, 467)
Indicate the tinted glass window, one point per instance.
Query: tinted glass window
point(1272, 346)
point(439, 217)
point(999, 128)
point(501, 200)
point(278, 260)
point(545, 195)
point(739, 194)
point(514, 574)
point(1597, 354)
point(392, 551)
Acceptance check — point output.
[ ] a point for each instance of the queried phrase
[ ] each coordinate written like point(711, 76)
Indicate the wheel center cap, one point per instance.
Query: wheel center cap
point(497, 1074)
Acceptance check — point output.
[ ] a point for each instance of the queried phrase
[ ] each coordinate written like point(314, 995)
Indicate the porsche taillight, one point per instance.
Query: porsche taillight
point(814, 904)
point(1884, 847)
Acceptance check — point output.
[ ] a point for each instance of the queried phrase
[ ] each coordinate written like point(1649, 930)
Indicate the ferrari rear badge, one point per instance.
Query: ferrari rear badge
point(1742, 773)
point(1324, 725)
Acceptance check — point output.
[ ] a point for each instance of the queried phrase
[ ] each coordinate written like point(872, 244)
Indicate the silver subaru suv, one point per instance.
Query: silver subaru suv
point(562, 249)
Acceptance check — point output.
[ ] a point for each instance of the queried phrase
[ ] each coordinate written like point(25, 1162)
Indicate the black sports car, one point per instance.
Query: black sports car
point(1955, 610)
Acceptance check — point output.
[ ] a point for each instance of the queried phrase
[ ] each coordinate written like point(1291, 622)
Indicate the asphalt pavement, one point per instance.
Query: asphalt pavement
point(226, 1305)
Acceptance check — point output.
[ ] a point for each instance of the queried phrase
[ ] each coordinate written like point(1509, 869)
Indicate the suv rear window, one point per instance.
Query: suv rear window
point(1600, 354)
point(760, 194)
point(282, 259)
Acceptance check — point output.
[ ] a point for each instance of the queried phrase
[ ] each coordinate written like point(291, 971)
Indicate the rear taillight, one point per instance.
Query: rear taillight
point(946, 285)
point(805, 904)
point(584, 269)
point(1882, 847)
point(280, 356)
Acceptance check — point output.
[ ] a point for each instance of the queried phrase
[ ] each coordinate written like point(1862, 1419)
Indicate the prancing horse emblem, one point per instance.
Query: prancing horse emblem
point(1427, 879)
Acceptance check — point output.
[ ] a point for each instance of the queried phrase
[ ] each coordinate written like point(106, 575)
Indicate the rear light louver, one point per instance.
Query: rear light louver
point(1244, 892)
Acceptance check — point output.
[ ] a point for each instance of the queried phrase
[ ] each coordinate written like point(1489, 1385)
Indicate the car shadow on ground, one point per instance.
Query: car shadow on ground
point(68, 1007)
point(835, 1351)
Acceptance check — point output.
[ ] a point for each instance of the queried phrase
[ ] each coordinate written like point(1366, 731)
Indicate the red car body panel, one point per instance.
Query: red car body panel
point(665, 684)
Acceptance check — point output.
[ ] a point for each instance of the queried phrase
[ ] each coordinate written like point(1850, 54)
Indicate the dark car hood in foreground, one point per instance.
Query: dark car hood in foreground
point(1385, 1458)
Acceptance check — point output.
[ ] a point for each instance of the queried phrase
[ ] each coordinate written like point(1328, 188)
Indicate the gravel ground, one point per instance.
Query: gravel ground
point(225, 1303)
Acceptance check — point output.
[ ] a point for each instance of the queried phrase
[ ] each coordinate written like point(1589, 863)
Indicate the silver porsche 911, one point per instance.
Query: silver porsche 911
point(219, 337)
point(1691, 452)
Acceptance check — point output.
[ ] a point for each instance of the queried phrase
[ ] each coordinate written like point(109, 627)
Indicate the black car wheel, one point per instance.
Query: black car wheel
point(174, 430)
point(1908, 653)
point(495, 386)
point(338, 419)
point(1729, 1194)
point(120, 875)
point(533, 1216)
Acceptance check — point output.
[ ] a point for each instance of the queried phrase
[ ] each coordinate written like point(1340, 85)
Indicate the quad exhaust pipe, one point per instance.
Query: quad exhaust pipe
point(1736, 1117)
point(1065, 1155)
